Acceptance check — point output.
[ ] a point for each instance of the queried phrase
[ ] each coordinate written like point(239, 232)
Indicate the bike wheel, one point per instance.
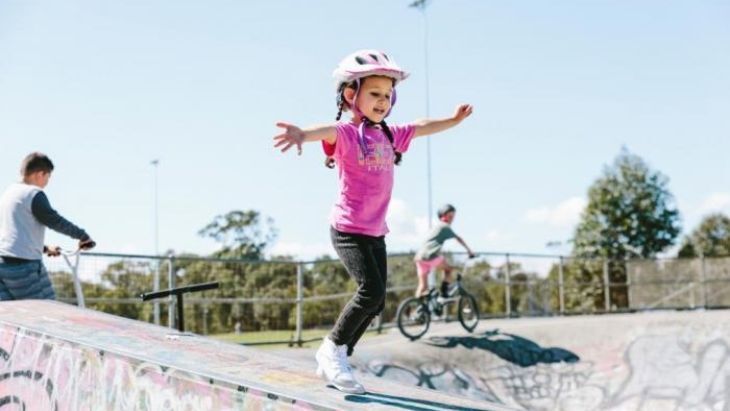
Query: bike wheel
point(413, 317)
point(468, 312)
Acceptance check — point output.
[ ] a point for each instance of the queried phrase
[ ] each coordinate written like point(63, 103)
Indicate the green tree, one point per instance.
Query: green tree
point(582, 285)
point(242, 234)
point(710, 239)
point(123, 280)
point(326, 277)
point(630, 214)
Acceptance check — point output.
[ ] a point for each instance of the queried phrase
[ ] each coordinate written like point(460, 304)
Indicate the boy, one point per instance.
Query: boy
point(25, 212)
point(429, 256)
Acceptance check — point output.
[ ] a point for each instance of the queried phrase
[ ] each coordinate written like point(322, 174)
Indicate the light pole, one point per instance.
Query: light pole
point(421, 5)
point(554, 245)
point(156, 275)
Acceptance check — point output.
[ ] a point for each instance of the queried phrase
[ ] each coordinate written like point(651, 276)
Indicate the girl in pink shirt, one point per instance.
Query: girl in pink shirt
point(365, 150)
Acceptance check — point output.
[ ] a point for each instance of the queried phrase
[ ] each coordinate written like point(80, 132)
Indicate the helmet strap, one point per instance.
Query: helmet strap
point(365, 121)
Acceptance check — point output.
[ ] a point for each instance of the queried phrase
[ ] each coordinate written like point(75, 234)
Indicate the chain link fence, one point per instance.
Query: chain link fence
point(679, 284)
point(288, 301)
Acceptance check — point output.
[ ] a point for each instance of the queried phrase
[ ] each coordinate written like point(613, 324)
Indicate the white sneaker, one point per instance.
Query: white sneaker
point(332, 366)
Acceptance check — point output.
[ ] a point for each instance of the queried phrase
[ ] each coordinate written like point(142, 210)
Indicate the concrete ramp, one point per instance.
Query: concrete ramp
point(654, 361)
point(58, 357)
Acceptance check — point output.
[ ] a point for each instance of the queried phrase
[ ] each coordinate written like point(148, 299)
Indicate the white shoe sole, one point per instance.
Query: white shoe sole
point(358, 389)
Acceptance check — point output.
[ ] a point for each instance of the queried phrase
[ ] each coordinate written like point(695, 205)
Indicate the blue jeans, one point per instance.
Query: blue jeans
point(25, 281)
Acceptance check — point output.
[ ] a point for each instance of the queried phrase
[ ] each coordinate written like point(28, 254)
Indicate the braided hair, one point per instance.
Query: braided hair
point(389, 134)
point(341, 103)
point(329, 162)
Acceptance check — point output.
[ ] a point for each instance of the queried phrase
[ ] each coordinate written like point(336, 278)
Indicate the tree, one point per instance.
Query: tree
point(123, 280)
point(630, 213)
point(325, 278)
point(582, 285)
point(243, 234)
point(710, 239)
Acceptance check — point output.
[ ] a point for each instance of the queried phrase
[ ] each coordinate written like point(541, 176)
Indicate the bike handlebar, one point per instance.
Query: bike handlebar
point(79, 249)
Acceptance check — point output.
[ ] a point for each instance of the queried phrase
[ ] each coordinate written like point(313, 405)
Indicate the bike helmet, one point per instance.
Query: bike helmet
point(360, 64)
point(363, 63)
point(445, 209)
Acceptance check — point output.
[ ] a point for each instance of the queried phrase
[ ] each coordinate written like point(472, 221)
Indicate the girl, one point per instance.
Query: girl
point(365, 150)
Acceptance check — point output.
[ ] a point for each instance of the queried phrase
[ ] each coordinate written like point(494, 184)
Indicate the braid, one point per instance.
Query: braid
point(389, 134)
point(340, 107)
point(341, 103)
point(329, 162)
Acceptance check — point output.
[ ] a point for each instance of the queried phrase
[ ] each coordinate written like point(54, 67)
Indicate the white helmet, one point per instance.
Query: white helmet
point(363, 63)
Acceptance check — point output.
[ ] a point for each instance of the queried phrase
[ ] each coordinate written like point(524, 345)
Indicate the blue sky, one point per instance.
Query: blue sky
point(558, 88)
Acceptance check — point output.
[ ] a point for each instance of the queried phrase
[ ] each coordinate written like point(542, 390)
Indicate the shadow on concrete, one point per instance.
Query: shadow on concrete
point(509, 347)
point(406, 403)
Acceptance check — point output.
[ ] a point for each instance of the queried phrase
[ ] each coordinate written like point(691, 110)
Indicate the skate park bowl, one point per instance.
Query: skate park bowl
point(58, 357)
point(658, 360)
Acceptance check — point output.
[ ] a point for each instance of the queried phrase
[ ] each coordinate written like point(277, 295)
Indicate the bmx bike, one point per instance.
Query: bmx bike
point(414, 313)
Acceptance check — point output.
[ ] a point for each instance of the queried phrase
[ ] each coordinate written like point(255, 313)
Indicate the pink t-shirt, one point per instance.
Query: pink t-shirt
point(366, 183)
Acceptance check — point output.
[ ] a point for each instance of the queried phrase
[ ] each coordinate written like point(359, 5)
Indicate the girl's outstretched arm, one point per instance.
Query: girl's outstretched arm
point(295, 136)
point(427, 126)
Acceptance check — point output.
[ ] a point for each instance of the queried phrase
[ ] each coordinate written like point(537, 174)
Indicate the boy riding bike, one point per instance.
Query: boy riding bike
point(429, 256)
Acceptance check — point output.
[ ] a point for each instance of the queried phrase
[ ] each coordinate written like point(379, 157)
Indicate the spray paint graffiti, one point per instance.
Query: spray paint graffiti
point(56, 357)
point(534, 378)
point(434, 376)
point(41, 373)
point(676, 371)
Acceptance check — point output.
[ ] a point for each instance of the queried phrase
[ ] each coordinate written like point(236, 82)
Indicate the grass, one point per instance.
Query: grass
point(286, 336)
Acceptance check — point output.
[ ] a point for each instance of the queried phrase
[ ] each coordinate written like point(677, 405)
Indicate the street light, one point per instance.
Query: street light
point(155, 163)
point(421, 5)
point(558, 246)
point(156, 275)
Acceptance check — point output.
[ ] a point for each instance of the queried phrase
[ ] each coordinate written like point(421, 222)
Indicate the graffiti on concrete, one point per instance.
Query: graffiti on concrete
point(434, 376)
point(41, 373)
point(563, 386)
point(541, 387)
point(675, 371)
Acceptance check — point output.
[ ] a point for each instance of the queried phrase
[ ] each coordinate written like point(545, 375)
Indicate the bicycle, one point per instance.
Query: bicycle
point(414, 313)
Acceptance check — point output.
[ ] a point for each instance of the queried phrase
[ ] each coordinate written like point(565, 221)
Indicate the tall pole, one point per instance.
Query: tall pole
point(421, 5)
point(156, 275)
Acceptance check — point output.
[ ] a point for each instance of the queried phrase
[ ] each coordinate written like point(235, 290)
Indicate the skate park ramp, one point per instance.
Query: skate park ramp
point(662, 360)
point(62, 358)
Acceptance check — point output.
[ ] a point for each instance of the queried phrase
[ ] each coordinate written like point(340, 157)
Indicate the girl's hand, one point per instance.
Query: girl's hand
point(462, 112)
point(292, 136)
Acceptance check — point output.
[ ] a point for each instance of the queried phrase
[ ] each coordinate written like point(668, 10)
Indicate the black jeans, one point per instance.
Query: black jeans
point(365, 259)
